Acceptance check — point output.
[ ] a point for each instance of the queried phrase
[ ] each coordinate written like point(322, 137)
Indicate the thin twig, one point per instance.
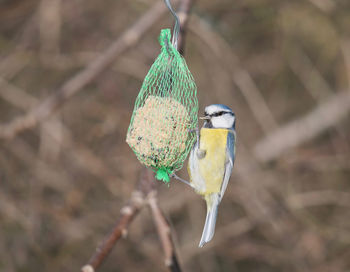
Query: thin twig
point(79, 81)
point(127, 214)
point(164, 233)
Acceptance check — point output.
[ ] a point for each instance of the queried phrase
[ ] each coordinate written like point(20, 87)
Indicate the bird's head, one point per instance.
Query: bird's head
point(219, 116)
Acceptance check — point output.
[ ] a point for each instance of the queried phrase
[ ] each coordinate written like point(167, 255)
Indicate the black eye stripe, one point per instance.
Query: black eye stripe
point(219, 113)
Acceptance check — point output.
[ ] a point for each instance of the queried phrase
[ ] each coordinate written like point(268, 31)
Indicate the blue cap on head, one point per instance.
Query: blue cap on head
point(216, 108)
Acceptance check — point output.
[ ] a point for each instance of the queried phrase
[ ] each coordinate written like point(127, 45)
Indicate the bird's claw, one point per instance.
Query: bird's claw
point(173, 175)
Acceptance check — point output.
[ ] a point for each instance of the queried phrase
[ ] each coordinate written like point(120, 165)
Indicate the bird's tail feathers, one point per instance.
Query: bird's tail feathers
point(213, 201)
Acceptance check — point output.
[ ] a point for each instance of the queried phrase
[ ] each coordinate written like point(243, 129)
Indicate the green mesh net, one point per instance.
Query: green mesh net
point(165, 113)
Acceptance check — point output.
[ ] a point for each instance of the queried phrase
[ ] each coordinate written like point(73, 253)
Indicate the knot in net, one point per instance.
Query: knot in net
point(165, 113)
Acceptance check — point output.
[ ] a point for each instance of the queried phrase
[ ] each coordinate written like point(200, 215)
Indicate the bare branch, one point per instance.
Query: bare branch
point(164, 233)
point(128, 213)
point(301, 130)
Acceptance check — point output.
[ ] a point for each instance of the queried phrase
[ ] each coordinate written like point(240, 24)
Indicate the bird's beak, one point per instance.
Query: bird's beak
point(204, 118)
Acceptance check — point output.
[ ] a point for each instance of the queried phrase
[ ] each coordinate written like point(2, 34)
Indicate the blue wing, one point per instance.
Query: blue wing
point(230, 159)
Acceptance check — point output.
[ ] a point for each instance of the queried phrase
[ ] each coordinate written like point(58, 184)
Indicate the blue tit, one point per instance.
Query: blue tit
point(211, 161)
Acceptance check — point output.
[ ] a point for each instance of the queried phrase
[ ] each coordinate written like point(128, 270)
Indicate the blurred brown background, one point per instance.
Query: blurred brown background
point(283, 67)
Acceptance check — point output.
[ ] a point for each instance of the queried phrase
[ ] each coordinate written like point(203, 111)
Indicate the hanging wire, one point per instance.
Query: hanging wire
point(177, 24)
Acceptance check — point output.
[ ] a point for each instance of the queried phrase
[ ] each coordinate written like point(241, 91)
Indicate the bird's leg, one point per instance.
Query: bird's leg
point(173, 175)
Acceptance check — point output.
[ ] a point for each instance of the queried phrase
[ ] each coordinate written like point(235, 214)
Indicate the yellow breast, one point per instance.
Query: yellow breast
point(212, 166)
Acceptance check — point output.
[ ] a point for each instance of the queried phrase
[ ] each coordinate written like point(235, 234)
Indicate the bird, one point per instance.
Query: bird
point(211, 161)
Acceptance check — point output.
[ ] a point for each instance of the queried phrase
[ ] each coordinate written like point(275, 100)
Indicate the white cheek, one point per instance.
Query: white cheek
point(222, 121)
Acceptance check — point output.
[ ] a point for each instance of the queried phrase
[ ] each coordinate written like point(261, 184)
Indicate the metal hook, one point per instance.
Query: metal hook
point(177, 24)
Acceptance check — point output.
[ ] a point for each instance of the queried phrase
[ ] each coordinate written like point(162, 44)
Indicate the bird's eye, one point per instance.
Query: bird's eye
point(219, 113)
